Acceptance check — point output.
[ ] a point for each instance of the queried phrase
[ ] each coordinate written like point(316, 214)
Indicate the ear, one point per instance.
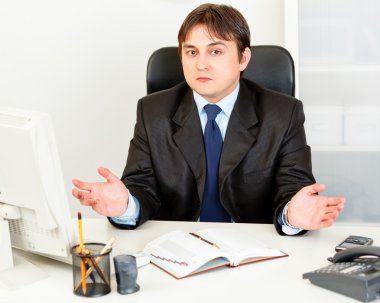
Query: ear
point(245, 58)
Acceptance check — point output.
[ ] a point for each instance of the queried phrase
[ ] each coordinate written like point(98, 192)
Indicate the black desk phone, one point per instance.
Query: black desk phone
point(355, 272)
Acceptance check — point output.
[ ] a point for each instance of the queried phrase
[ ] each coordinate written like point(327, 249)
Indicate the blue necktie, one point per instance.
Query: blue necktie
point(212, 210)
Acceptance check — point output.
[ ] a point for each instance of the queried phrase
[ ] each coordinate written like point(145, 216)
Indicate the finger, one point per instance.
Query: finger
point(322, 220)
point(326, 220)
point(331, 216)
point(332, 209)
point(83, 185)
point(324, 202)
point(86, 202)
point(340, 207)
point(326, 223)
point(314, 188)
point(82, 196)
point(89, 202)
point(75, 193)
point(320, 224)
point(106, 173)
point(334, 201)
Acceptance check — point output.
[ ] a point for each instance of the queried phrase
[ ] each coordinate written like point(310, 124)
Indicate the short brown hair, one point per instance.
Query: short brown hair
point(221, 21)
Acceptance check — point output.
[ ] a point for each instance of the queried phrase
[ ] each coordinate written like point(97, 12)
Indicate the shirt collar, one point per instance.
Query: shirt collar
point(226, 104)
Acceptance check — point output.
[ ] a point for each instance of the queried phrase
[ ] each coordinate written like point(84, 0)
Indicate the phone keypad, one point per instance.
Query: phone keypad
point(347, 268)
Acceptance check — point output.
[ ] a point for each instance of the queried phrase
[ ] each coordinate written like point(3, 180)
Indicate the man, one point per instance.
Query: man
point(247, 161)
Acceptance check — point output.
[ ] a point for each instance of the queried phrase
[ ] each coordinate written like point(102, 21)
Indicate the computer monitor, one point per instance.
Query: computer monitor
point(34, 210)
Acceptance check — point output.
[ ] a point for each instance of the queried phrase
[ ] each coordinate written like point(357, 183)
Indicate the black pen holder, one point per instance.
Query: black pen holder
point(91, 271)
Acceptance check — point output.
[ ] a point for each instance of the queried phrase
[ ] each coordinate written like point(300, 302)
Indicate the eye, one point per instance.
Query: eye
point(191, 52)
point(216, 52)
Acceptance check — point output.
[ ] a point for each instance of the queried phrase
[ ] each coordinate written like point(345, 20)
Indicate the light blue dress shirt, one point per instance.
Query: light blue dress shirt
point(227, 104)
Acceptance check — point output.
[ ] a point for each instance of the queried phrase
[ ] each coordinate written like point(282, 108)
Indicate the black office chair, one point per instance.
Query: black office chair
point(270, 66)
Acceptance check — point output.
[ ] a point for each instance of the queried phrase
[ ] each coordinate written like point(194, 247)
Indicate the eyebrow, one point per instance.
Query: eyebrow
point(211, 44)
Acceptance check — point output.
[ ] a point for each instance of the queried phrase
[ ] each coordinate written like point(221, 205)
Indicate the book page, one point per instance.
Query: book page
point(180, 253)
point(238, 245)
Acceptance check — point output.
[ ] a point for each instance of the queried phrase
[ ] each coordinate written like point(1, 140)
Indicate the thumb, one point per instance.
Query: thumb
point(107, 174)
point(314, 188)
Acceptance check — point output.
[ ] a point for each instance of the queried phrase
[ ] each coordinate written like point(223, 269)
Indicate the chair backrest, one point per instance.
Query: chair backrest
point(270, 66)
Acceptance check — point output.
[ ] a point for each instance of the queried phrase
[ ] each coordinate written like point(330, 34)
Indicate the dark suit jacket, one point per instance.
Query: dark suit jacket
point(264, 162)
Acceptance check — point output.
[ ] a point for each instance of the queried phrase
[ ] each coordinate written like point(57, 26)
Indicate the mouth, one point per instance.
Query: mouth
point(203, 79)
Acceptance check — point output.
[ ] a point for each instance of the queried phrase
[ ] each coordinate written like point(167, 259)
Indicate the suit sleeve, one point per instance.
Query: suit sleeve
point(138, 175)
point(294, 169)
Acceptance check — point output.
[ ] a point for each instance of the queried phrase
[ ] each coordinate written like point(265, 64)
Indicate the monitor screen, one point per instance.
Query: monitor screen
point(34, 210)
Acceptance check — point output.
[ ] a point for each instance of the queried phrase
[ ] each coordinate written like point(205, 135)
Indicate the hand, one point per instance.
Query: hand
point(108, 198)
point(310, 211)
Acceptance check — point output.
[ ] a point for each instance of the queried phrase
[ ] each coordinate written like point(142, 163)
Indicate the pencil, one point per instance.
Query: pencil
point(105, 249)
point(81, 246)
point(81, 243)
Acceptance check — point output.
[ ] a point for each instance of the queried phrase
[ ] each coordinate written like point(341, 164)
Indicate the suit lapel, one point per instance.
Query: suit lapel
point(239, 136)
point(238, 140)
point(189, 139)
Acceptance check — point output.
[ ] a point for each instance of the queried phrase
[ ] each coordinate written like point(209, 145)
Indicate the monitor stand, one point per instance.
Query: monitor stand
point(15, 271)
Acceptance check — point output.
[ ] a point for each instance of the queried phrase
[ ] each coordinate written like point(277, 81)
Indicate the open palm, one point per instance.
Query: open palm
point(109, 198)
point(310, 211)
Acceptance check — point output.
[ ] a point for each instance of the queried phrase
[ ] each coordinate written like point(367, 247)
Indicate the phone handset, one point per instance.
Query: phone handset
point(355, 252)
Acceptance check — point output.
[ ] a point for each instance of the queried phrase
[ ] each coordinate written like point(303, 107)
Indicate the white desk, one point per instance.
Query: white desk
point(277, 280)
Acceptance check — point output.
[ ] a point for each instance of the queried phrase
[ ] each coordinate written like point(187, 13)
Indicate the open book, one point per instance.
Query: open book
point(182, 254)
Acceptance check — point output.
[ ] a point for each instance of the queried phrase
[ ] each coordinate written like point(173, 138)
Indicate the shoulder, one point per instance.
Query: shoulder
point(166, 97)
point(270, 106)
point(260, 92)
point(164, 104)
point(268, 100)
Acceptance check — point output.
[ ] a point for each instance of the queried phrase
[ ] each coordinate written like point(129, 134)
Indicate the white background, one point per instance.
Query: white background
point(339, 72)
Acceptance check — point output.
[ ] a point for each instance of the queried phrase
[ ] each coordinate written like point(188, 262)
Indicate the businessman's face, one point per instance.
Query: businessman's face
point(211, 66)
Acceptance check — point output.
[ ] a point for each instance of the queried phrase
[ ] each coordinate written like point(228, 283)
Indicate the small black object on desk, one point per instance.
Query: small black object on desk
point(126, 274)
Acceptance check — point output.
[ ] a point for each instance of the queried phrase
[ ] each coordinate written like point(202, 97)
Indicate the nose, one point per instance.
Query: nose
point(202, 62)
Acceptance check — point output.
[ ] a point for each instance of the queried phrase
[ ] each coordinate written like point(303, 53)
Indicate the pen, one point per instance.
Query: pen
point(200, 238)
point(81, 246)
